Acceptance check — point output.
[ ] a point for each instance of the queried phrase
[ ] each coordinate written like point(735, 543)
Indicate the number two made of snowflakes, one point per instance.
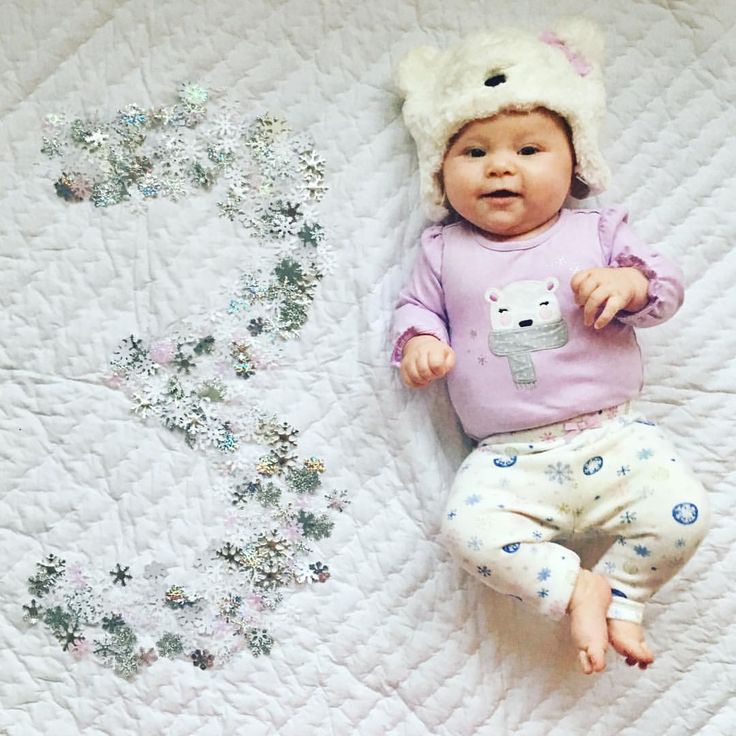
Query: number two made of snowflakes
point(194, 381)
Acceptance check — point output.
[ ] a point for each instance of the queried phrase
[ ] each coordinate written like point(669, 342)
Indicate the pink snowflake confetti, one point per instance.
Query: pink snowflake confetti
point(114, 380)
point(163, 352)
point(76, 576)
point(80, 649)
point(256, 602)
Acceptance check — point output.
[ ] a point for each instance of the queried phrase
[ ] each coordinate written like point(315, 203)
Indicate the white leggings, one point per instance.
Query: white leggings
point(518, 494)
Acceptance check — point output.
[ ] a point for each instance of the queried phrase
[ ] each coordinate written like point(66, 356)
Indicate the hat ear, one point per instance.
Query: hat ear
point(582, 36)
point(414, 69)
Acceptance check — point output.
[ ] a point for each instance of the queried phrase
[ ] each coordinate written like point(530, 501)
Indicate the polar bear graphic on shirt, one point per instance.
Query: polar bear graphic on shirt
point(525, 317)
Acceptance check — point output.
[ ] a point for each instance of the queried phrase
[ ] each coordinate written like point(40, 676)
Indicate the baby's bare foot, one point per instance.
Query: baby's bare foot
point(627, 638)
point(588, 607)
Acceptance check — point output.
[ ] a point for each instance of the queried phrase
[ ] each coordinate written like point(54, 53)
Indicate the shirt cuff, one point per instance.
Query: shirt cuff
point(641, 317)
point(407, 335)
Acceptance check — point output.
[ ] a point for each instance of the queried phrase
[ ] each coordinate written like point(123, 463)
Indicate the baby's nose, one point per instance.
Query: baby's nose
point(499, 164)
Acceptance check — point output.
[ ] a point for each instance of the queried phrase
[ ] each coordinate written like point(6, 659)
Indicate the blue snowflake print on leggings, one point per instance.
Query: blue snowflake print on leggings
point(593, 465)
point(685, 513)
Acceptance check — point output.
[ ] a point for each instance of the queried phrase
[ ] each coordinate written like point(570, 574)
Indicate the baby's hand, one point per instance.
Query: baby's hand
point(425, 360)
point(611, 289)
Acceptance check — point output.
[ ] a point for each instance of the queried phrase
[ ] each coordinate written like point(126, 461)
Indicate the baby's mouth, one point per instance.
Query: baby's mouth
point(502, 194)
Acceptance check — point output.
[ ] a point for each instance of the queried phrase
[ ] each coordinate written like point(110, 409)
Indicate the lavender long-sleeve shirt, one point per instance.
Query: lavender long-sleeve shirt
point(524, 358)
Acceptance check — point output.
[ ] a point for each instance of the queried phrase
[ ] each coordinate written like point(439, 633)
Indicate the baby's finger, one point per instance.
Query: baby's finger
point(414, 380)
point(405, 375)
point(436, 364)
point(592, 305)
point(410, 375)
point(578, 279)
point(582, 284)
point(449, 360)
point(586, 290)
point(612, 308)
point(442, 361)
point(423, 367)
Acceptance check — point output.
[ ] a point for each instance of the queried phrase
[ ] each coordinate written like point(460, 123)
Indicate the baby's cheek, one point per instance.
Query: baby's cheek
point(505, 319)
point(546, 313)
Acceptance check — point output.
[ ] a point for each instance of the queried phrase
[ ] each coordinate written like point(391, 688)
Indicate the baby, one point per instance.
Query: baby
point(529, 309)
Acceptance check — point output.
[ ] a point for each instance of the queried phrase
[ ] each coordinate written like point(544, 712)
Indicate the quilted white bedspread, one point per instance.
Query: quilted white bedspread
point(397, 640)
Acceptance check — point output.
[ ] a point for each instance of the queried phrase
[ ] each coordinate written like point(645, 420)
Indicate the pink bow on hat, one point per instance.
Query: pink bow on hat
point(578, 62)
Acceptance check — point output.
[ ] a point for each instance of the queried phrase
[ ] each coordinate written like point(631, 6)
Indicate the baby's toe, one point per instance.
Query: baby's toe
point(598, 659)
point(585, 664)
point(592, 660)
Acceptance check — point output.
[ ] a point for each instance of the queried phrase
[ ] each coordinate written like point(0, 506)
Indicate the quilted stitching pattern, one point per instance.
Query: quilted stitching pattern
point(400, 642)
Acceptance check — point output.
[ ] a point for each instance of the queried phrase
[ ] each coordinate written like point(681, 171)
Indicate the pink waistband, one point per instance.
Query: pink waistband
point(566, 428)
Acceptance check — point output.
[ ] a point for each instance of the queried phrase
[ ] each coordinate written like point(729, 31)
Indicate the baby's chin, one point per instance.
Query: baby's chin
point(501, 234)
point(500, 231)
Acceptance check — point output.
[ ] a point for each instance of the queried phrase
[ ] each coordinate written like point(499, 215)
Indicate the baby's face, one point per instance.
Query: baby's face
point(509, 175)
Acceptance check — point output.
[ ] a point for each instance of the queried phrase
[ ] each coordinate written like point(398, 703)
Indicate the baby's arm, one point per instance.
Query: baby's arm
point(425, 360)
point(420, 317)
point(610, 289)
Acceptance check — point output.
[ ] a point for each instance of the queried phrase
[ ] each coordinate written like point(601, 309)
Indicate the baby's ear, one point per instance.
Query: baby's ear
point(415, 69)
point(582, 36)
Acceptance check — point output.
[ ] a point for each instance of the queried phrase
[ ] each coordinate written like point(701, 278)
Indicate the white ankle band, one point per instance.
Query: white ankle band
point(625, 610)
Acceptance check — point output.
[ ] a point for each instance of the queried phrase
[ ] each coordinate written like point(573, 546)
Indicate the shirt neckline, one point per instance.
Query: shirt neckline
point(522, 244)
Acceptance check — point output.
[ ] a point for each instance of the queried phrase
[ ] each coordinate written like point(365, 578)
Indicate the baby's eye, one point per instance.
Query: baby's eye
point(528, 150)
point(476, 152)
point(502, 310)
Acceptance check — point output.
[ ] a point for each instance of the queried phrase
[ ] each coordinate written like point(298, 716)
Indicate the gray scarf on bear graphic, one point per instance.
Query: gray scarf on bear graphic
point(516, 345)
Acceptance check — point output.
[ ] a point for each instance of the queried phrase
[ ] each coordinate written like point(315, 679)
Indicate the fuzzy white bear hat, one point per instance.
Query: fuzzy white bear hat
point(507, 69)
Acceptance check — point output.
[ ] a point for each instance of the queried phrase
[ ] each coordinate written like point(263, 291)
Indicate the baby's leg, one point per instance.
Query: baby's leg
point(501, 520)
point(588, 606)
point(658, 515)
point(510, 552)
point(542, 574)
